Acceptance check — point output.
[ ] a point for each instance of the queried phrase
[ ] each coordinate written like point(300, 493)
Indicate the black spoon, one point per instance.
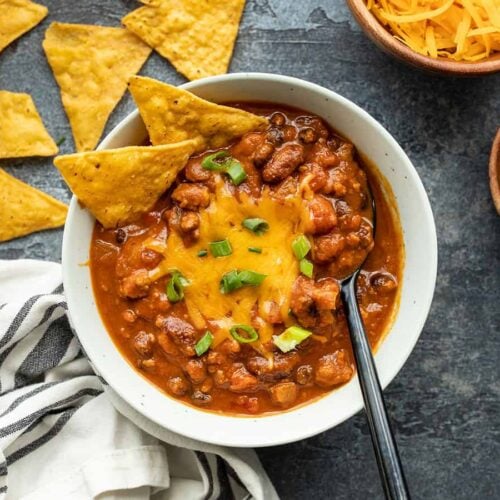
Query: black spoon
point(386, 451)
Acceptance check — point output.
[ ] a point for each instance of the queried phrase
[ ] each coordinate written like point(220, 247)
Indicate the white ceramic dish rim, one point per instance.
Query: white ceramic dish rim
point(280, 428)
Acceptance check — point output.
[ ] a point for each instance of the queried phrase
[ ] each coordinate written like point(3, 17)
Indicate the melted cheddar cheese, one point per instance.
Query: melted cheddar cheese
point(222, 219)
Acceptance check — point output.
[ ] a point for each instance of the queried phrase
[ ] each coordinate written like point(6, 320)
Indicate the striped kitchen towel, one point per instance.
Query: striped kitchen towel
point(64, 434)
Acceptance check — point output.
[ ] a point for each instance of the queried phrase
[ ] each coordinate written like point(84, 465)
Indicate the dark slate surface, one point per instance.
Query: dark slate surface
point(445, 401)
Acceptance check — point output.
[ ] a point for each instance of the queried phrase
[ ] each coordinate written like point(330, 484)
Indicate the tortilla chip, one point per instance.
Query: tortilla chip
point(25, 210)
point(92, 65)
point(118, 185)
point(17, 17)
point(197, 37)
point(172, 115)
point(21, 129)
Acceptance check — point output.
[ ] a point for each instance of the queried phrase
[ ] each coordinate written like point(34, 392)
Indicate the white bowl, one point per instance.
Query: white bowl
point(417, 288)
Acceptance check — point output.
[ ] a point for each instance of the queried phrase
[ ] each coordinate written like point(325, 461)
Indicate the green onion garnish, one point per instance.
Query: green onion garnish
point(290, 338)
point(204, 343)
point(255, 249)
point(230, 281)
point(220, 248)
point(256, 225)
point(202, 253)
point(222, 161)
point(301, 247)
point(306, 268)
point(233, 280)
point(215, 161)
point(175, 287)
point(250, 335)
point(236, 172)
point(60, 141)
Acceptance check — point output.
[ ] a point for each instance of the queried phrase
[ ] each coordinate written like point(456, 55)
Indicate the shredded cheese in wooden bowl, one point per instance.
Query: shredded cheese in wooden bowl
point(459, 30)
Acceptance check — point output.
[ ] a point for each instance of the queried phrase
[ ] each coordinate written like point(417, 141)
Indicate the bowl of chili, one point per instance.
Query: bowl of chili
point(293, 405)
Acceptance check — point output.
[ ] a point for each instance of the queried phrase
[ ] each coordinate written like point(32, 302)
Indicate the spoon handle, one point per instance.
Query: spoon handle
point(386, 451)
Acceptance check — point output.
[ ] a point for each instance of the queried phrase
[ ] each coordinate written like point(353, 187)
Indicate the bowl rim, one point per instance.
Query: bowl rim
point(247, 439)
point(388, 43)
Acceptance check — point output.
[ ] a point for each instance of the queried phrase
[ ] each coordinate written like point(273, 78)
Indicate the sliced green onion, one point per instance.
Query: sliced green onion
point(222, 161)
point(255, 249)
point(230, 282)
point(236, 172)
point(60, 141)
point(250, 335)
point(256, 225)
point(175, 287)
point(202, 253)
point(220, 248)
point(290, 338)
point(215, 161)
point(306, 268)
point(251, 277)
point(204, 343)
point(233, 280)
point(301, 247)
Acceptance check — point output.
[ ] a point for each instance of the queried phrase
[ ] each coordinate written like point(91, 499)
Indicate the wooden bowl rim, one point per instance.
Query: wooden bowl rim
point(385, 40)
point(494, 170)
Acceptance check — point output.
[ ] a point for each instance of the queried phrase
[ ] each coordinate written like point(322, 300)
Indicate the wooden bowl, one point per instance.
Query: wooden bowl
point(386, 41)
point(495, 171)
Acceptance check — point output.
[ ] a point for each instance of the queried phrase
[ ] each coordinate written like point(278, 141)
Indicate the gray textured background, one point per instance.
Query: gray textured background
point(445, 402)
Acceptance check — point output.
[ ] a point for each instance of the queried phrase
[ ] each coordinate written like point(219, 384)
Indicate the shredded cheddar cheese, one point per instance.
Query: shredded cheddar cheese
point(461, 30)
point(222, 219)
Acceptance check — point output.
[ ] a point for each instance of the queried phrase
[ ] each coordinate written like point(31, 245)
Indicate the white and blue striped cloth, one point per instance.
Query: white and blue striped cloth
point(64, 434)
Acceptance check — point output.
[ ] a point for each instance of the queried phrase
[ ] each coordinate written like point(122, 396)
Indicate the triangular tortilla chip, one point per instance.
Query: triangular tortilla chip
point(25, 210)
point(196, 37)
point(22, 132)
point(118, 185)
point(172, 115)
point(92, 65)
point(17, 17)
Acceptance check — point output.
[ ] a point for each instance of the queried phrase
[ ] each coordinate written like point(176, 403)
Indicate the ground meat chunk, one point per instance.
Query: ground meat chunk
point(312, 302)
point(322, 217)
point(333, 369)
point(242, 380)
point(196, 370)
point(323, 155)
point(143, 343)
point(250, 404)
point(327, 247)
point(315, 177)
point(284, 393)
point(200, 398)
point(249, 144)
point(181, 332)
point(190, 221)
point(191, 196)
point(283, 162)
point(280, 368)
point(307, 135)
point(150, 258)
point(136, 285)
point(304, 374)
point(229, 346)
point(178, 386)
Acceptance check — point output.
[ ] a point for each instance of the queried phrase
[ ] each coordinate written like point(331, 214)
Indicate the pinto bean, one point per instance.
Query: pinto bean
point(241, 379)
point(283, 162)
point(181, 332)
